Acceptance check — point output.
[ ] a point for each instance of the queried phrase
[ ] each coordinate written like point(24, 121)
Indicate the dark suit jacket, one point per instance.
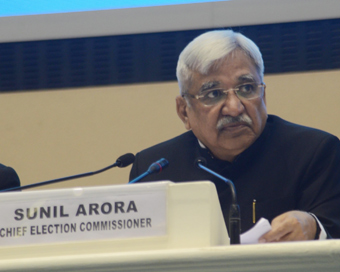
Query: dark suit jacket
point(289, 167)
point(8, 177)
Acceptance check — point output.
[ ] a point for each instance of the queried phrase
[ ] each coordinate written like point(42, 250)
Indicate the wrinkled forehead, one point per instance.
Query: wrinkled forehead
point(237, 68)
point(232, 56)
point(195, 72)
point(213, 83)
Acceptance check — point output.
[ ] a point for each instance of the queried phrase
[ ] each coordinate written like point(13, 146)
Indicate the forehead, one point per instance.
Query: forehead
point(236, 68)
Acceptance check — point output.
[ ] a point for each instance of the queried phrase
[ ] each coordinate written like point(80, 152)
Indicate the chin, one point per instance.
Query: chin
point(238, 144)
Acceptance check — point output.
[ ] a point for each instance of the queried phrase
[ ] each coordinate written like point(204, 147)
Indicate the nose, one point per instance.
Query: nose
point(232, 105)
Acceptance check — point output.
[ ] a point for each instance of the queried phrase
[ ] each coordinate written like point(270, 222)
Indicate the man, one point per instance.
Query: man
point(286, 173)
point(8, 178)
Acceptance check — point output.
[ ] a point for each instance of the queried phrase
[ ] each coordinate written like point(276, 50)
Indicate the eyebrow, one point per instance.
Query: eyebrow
point(208, 85)
point(246, 78)
point(213, 84)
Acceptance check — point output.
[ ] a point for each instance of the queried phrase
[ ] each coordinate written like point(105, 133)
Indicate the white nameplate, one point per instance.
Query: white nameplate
point(107, 212)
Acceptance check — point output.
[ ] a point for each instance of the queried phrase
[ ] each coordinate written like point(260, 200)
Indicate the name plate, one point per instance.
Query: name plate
point(80, 214)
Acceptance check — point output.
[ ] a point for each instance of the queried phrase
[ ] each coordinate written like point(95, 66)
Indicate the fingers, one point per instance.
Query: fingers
point(281, 229)
point(291, 226)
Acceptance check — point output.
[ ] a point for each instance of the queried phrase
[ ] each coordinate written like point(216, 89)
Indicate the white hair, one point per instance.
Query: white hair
point(207, 50)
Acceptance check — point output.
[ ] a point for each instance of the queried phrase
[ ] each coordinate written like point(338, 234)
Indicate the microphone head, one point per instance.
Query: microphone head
point(200, 161)
point(125, 160)
point(158, 166)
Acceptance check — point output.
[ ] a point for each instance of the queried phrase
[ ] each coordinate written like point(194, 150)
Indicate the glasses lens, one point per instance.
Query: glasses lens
point(213, 97)
point(249, 91)
point(246, 91)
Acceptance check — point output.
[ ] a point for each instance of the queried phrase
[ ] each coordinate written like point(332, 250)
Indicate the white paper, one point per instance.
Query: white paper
point(252, 236)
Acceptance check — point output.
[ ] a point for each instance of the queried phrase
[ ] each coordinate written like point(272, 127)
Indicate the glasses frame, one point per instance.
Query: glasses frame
point(237, 88)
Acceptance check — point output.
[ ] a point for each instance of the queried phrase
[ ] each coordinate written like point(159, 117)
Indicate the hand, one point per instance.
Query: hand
point(291, 226)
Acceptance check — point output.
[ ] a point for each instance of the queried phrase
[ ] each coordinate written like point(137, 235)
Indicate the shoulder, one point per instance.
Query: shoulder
point(8, 177)
point(169, 149)
point(184, 140)
point(179, 151)
point(300, 143)
point(288, 131)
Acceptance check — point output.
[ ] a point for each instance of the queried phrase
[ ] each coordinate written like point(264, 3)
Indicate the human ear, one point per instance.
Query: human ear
point(182, 107)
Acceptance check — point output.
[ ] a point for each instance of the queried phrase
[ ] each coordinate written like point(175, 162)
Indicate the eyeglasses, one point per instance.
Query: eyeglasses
point(246, 91)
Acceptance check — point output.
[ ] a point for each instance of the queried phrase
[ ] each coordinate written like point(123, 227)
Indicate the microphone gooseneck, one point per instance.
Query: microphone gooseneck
point(234, 219)
point(201, 163)
point(155, 167)
point(122, 161)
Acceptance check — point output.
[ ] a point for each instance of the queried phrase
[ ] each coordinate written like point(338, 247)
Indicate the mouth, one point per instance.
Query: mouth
point(233, 127)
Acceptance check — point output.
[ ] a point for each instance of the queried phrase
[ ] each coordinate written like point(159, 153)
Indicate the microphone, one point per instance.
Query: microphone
point(155, 167)
point(234, 211)
point(122, 161)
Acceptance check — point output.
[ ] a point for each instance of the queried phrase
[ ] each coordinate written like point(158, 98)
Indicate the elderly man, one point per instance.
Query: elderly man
point(284, 172)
